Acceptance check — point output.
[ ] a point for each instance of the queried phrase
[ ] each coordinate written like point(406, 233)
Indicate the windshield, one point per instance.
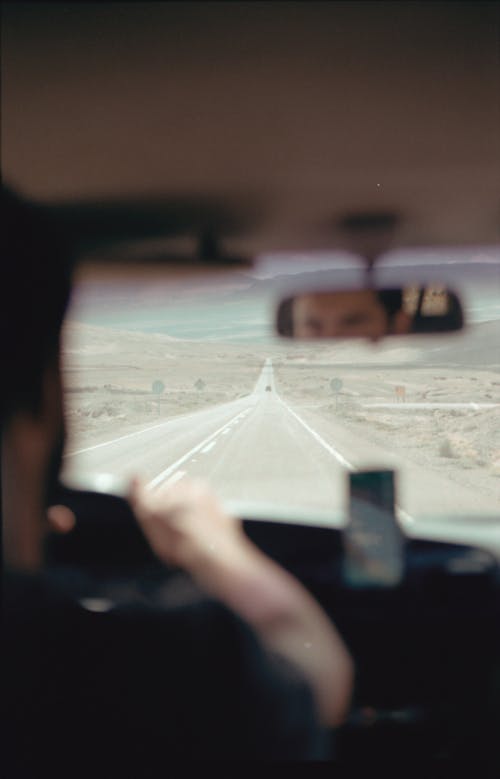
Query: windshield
point(171, 377)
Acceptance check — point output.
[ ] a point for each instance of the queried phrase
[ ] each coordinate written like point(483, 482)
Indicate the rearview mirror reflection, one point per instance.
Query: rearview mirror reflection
point(369, 313)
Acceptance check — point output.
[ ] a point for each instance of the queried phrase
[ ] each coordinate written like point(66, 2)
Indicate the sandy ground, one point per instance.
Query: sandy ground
point(108, 377)
point(462, 443)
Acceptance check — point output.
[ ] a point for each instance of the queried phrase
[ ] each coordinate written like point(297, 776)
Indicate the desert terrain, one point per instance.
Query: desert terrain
point(109, 375)
point(447, 425)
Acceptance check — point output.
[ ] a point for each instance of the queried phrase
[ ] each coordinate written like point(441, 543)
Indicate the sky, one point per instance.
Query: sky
point(271, 265)
point(224, 310)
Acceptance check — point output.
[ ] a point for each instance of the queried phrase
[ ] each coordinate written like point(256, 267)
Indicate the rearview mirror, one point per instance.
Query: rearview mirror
point(369, 313)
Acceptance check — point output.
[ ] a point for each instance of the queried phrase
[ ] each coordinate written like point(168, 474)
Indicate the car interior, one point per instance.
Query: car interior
point(286, 217)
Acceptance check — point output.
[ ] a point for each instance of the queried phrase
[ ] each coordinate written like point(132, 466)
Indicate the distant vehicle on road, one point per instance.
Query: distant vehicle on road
point(268, 388)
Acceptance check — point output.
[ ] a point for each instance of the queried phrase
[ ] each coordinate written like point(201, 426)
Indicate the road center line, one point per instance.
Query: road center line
point(139, 432)
point(208, 447)
point(171, 468)
point(177, 476)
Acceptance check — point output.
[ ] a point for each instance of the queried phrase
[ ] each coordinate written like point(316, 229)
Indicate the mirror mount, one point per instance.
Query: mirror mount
point(369, 235)
point(369, 268)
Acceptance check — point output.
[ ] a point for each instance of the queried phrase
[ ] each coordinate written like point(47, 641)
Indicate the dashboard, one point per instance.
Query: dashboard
point(427, 651)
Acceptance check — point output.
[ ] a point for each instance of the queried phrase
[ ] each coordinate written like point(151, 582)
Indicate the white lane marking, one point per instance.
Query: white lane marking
point(115, 440)
point(319, 439)
point(225, 432)
point(177, 476)
point(136, 433)
point(401, 514)
point(171, 468)
point(208, 447)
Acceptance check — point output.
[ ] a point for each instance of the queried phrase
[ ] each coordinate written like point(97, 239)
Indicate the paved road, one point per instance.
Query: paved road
point(254, 449)
point(259, 450)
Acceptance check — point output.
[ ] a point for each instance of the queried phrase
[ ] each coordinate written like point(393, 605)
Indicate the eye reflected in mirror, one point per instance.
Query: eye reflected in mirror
point(370, 313)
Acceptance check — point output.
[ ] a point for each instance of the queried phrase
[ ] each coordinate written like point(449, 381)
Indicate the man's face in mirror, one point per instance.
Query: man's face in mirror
point(358, 313)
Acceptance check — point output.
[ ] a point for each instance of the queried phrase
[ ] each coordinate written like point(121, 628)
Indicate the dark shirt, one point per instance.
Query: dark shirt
point(134, 681)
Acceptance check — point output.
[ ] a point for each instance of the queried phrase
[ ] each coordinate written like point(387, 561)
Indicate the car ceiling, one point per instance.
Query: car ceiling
point(268, 122)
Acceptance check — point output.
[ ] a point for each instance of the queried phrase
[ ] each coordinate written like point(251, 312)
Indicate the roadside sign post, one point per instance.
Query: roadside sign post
point(158, 388)
point(336, 385)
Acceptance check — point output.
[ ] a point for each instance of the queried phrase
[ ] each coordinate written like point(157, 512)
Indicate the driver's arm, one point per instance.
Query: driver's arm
point(187, 527)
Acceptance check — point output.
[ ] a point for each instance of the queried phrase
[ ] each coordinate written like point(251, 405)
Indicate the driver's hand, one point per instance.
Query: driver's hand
point(184, 523)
